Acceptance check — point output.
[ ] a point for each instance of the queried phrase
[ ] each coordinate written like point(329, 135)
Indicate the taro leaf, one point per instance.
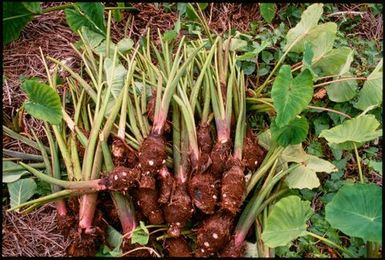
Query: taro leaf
point(302, 177)
point(248, 67)
point(353, 131)
point(118, 75)
point(371, 93)
point(308, 58)
point(92, 39)
point(356, 210)
point(335, 61)
point(291, 96)
point(13, 27)
point(286, 221)
point(293, 133)
point(309, 20)
point(44, 102)
point(342, 91)
point(11, 176)
point(305, 175)
point(20, 191)
point(114, 238)
point(86, 14)
point(125, 44)
point(33, 7)
point(140, 235)
point(376, 166)
point(267, 11)
point(294, 153)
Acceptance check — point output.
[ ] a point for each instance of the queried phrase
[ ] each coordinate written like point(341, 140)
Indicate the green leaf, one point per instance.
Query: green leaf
point(356, 210)
point(11, 176)
point(33, 7)
point(44, 102)
point(90, 15)
point(170, 35)
point(335, 61)
point(267, 11)
point(13, 27)
point(294, 153)
point(140, 235)
point(342, 91)
point(92, 39)
point(371, 93)
point(248, 67)
point(286, 221)
point(302, 177)
point(309, 20)
point(117, 14)
point(20, 191)
point(235, 44)
point(356, 130)
point(376, 166)
point(114, 238)
point(290, 96)
point(293, 133)
point(125, 44)
point(319, 165)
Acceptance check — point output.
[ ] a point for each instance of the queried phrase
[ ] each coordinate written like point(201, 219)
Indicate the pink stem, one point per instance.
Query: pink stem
point(87, 211)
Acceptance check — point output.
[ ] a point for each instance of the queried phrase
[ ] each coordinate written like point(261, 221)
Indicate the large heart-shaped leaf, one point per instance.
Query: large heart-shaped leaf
point(44, 102)
point(335, 61)
point(14, 20)
point(33, 7)
point(309, 20)
point(11, 176)
point(294, 153)
point(86, 14)
point(353, 131)
point(305, 175)
point(20, 191)
point(290, 96)
point(342, 91)
point(286, 221)
point(293, 133)
point(302, 177)
point(267, 11)
point(356, 210)
point(371, 93)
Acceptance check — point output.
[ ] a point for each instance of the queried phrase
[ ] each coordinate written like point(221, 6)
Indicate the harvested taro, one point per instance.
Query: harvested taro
point(121, 179)
point(219, 155)
point(213, 234)
point(166, 185)
point(152, 154)
point(122, 154)
point(205, 141)
point(178, 247)
point(233, 187)
point(253, 154)
point(233, 249)
point(203, 191)
point(148, 203)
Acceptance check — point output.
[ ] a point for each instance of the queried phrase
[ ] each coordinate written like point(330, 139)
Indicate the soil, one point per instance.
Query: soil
point(203, 191)
point(86, 244)
point(127, 246)
point(178, 247)
point(233, 188)
point(213, 234)
point(253, 154)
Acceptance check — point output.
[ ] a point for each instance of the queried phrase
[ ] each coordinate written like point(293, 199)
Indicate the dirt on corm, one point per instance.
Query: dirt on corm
point(178, 247)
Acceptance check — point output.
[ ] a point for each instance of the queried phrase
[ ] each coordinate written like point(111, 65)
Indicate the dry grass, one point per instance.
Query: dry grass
point(33, 234)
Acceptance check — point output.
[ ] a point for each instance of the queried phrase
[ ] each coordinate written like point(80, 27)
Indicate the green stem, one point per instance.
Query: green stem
point(76, 185)
point(327, 241)
point(373, 249)
point(22, 139)
point(23, 156)
point(330, 110)
point(338, 80)
point(18, 167)
point(358, 163)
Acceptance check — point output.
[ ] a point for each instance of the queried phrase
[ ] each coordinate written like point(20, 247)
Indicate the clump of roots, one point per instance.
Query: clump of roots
point(123, 155)
point(253, 153)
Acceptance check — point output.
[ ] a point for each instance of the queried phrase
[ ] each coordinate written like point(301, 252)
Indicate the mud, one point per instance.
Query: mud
point(178, 247)
point(121, 179)
point(203, 191)
point(148, 203)
point(213, 234)
point(253, 154)
point(178, 211)
point(65, 223)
